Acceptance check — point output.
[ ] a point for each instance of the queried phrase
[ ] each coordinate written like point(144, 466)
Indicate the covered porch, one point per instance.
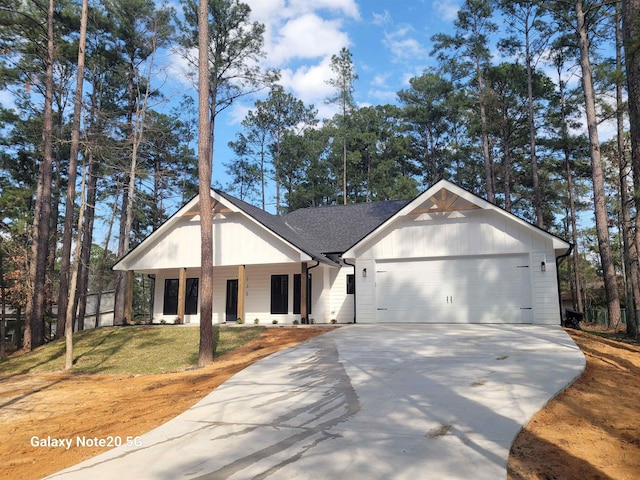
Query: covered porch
point(283, 293)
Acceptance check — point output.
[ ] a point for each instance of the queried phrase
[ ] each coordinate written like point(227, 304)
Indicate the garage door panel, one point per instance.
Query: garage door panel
point(462, 290)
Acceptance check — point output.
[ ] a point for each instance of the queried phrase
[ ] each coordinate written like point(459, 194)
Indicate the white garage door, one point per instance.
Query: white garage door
point(493, 289)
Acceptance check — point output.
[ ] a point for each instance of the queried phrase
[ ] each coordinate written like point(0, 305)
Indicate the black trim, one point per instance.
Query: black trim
point(279, 294)
point(355, 289)
point(559, 260)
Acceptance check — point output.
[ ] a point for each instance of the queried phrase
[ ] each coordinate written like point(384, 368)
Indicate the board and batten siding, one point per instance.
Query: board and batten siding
point(158, 295)
point(236, 240)
point(473, 232)
point(366, 291)
point(341, 303)
point(545, 290)
point(257, 293)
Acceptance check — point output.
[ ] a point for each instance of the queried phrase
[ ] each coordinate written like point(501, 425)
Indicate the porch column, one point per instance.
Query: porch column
point(304, 281)
point(241, 288)
point(182, 293)
point(128, 306)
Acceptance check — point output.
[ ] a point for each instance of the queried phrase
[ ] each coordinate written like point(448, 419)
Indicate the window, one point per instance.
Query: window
point(191, 300)
point(279, 294)
point(297, 290)
point(170, 305)
point(351, 284)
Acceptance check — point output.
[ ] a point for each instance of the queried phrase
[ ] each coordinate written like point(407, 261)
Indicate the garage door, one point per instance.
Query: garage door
point(493, 289)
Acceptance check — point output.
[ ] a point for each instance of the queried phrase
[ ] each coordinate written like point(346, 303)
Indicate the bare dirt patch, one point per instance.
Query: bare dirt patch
point(67, 406)
point(592, 429)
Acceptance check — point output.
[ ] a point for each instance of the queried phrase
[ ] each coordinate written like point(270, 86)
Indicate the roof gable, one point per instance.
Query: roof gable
point(444, 198)
point(319, 231)
point(223, 205)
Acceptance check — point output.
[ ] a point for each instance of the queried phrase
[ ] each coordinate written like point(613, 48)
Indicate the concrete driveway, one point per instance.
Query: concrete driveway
point(363, 402)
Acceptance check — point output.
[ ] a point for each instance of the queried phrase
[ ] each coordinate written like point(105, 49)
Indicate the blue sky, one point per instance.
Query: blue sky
point(389, 41)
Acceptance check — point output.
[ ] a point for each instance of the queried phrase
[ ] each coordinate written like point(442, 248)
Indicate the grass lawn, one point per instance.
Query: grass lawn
point(133, 350)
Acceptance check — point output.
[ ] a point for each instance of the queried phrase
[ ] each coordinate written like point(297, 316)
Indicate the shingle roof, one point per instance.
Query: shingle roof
point(336, 228)
point(319, 231)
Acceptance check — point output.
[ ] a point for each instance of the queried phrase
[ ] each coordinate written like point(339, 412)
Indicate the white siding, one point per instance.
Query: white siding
point(236, 240)
point(341, 304)
point(472, 232)
point(158, 297)
point(257, 293)
point(320, 292)
point(545, 289)
point(365, 291)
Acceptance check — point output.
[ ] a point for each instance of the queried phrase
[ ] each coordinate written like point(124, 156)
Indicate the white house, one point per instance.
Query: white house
point(445, 256)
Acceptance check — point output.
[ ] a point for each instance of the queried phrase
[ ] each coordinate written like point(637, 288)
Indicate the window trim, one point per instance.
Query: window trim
point(170, 303)
point(351, 284)
point(297, 290)
point(279, 300)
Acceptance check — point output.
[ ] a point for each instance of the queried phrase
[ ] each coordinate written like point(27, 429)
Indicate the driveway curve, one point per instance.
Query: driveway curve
point(370, 402)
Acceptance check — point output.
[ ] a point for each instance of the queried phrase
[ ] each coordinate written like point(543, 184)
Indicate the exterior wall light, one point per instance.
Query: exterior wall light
point(543, 266)
point(364, 272)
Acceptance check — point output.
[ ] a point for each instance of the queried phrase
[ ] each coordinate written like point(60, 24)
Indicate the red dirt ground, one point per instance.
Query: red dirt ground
point(590, 431)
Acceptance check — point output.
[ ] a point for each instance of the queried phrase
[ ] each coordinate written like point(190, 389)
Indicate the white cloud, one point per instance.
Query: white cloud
point(383, 96)
point(308, 36)
point(299, 29)
point(380, 80)
point(402, 46)
point(383, 18)
point(446, 10)
point(344, 7)
point(300, 38)
point(180, 69)
point(309, 82)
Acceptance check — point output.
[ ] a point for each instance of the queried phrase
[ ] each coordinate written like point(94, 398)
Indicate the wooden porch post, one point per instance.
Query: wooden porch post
point(182, 293)
point(304, 280)
point(128, 306)
point(241, 288)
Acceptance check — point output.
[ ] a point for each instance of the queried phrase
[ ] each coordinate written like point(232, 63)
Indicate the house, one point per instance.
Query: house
point(445, 256)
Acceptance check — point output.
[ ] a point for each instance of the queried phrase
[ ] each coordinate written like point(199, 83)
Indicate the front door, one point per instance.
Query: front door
point(232, 301)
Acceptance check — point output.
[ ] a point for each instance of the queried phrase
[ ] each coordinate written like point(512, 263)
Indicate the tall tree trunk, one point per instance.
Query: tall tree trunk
point(68, 359)
point(629, 36)
point(507, 173)
point(119, 276)
point(137, 121)
point(488, 167)
point(277, 174)
point(631, 40)
point(599, 195)
point(537, 195)
point(344, 156)
point(3, 306)
point(574, 234)
point(34, 334)
point(67, 234)
point(87, 239)
point(103, 261)
point(578, 303)
point(206, 126)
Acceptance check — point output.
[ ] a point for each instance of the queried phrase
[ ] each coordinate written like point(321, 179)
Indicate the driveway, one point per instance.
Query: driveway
point(363, 402)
